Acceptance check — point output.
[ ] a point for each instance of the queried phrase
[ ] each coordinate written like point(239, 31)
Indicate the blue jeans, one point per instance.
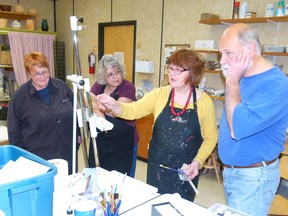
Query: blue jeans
point(251, 190)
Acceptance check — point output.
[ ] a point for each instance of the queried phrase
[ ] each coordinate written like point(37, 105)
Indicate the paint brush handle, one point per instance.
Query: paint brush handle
point(169, 168)
point(193, 187)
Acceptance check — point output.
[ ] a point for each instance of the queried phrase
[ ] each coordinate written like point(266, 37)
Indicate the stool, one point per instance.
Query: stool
point(212, 163)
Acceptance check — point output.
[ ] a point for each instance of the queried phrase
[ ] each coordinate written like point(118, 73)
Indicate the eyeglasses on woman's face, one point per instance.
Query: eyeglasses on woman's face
point(39, 74)
point(116, 74)
point(177, 71)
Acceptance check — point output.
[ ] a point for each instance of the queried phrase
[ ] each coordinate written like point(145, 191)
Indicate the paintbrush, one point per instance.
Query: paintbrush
point(169, 168)
point(182, 173)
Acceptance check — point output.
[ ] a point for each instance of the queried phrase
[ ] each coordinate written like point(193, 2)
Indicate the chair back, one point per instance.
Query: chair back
point(284, 166)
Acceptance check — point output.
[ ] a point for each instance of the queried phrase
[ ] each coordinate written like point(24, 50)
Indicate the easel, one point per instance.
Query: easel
point(84, 114)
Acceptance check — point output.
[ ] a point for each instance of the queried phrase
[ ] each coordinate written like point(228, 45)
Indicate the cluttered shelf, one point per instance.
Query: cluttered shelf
point(245, 20)
point(17, 16)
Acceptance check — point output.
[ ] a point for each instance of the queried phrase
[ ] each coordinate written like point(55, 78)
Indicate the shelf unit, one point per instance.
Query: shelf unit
point(215, 52)
point(274, 20)
point(19, 16)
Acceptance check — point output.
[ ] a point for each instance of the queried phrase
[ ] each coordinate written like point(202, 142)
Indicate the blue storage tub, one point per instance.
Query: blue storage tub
point(29, 197)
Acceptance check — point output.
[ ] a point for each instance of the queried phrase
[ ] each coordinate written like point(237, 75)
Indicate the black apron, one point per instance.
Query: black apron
point(175, 140)
point(115, 147)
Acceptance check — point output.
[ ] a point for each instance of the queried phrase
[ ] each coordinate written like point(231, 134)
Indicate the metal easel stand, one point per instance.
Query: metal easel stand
point(84, 114)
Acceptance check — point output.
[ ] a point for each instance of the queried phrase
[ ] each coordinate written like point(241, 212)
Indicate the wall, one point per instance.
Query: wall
point(180, 26)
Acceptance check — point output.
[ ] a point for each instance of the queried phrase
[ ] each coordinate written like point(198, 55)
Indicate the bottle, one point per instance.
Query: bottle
point(236, 10)
point(270, 10)
point(243, 10)
point(44, 25)
point(286, 12)
point(280, 8)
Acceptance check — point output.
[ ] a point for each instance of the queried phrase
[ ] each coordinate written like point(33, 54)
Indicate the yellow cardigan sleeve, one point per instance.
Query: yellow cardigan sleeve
point(152, 103)
point(208, 124)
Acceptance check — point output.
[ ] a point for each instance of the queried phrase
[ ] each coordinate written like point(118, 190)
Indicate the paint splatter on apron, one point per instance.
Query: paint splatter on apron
point(175, 140)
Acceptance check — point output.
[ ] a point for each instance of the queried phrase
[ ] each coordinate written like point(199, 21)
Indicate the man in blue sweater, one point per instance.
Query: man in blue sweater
point(254, 121)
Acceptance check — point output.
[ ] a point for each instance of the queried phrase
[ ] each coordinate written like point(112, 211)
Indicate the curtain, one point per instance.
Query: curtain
point(25, 43)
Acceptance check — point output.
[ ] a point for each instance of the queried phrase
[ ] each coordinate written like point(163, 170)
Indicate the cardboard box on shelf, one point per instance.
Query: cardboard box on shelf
point(250, 15)
point(209, 16)
point(5, 58)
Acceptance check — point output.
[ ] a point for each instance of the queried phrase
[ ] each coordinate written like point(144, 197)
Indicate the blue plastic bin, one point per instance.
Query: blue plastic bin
point(29, 197)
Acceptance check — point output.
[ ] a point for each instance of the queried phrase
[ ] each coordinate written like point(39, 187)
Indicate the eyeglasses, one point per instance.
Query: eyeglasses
point(177, 71)
point(39, 74)
point(111, 75)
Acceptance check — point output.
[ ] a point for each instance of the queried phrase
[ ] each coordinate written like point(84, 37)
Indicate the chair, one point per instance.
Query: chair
point(212, 163)
point(280, 204)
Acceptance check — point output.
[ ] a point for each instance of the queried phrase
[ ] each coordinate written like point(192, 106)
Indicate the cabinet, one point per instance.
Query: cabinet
point(144, 127)
point(19, 16)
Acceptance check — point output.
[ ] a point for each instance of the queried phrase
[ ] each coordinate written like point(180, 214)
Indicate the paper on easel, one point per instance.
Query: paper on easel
point(22, 168)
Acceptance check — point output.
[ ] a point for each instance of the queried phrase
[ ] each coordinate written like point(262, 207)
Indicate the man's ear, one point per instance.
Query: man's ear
point(252, 49)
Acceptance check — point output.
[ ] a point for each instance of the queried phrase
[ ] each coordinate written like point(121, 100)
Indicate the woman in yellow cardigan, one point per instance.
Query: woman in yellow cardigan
point(185, 128)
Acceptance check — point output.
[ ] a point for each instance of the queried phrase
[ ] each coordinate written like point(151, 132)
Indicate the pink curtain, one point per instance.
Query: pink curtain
point(25, 43)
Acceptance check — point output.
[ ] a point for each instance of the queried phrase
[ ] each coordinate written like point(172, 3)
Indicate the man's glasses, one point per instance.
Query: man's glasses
point(111, 75)
point(177, 71)
point(39, 74)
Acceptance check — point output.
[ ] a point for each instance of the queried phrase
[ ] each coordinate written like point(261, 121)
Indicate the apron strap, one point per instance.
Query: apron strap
point(114, 94)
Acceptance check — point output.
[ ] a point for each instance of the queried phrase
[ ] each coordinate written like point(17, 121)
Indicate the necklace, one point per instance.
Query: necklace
point(186, 104)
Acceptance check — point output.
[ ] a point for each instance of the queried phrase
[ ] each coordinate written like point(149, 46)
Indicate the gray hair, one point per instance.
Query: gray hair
point(109, 61)
point(248, 35)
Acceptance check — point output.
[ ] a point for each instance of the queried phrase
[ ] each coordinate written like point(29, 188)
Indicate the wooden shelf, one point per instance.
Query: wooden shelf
point(4, 31)
point(17, 16)
point(217, 97)
point(246, 20)
point(208, 51)
point(263, 53)
point(212, 71)
point(274, 54)
point(6, 66)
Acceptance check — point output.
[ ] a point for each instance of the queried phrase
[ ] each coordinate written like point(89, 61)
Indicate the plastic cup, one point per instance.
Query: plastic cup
point(85, 208)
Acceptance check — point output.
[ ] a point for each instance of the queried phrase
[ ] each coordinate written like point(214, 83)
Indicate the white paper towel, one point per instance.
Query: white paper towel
point(61, 192)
